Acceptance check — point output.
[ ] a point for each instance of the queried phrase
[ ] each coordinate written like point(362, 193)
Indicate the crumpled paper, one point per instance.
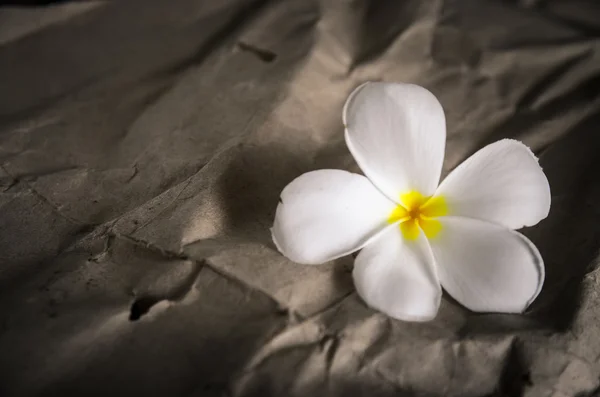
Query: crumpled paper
point(143, 147)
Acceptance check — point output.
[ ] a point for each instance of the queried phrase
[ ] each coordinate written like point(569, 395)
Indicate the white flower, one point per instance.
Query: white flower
point(414, 234)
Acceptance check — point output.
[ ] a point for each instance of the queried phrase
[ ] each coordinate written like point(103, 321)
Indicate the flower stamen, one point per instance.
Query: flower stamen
point(417, 213)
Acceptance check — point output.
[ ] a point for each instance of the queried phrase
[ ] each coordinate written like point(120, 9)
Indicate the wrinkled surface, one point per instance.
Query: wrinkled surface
point(143, 148)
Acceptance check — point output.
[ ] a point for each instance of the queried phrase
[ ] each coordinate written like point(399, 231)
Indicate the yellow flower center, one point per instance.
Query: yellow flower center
point(418, 212)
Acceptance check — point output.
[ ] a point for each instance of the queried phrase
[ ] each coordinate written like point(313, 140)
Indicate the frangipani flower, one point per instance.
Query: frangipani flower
point(415, 236)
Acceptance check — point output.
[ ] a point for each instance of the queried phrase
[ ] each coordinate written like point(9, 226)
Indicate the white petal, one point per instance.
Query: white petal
point(398, 277)
point(397, 135)
point(501, 183)
point(325, 214)
point(487, 267)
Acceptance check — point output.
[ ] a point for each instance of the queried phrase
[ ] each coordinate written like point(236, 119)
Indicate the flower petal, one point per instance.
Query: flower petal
point(501, 183)
point(487, 267)
point(397, 135)
point(398, 277)
point(325, 214)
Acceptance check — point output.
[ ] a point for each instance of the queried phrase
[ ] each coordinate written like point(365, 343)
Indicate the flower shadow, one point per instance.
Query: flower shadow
point(250, 189)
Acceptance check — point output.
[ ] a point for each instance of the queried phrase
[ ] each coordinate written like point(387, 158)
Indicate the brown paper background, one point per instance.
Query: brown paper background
point(143, 147)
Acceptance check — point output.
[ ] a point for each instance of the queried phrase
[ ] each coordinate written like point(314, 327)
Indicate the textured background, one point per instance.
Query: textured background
point(143, 147)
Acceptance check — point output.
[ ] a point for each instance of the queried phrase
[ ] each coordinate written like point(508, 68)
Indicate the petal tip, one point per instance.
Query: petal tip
point(522, 145)
point(349, 100)
point(401, 315)
point(414, 319)
point(415, 90)
point(272, 230)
